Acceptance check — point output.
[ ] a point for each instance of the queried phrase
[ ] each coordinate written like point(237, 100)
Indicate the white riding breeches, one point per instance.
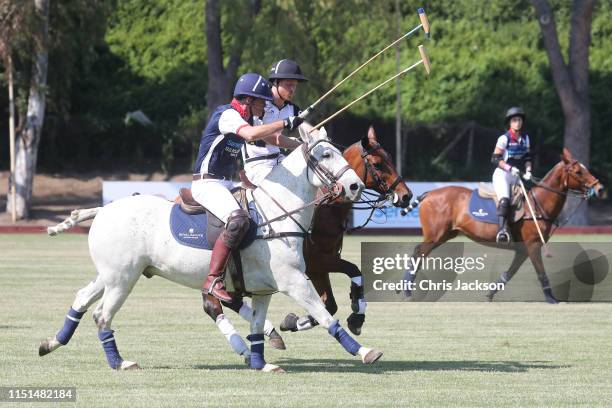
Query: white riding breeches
point(215, 196)
point(503, 182)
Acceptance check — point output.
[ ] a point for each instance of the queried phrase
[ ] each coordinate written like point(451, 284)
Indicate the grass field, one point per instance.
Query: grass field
point(436, 354)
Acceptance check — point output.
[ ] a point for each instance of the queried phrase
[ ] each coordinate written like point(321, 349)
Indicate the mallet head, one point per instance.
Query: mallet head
point(424, 21)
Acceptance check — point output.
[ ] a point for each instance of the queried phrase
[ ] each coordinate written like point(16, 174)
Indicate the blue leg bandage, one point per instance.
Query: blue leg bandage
point(70, 324)
point(257, 351)
point(110, 348)
point(344, 338)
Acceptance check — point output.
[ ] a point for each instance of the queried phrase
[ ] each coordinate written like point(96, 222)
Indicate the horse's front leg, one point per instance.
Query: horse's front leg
point(213, 308)
point(302, 291)
point(242, 307)
point(535, 254)
point(260, 310)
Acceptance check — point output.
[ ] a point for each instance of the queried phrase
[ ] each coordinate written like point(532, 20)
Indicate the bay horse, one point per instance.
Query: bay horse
point(132, 236)
point(444, 215)
point(322, 251)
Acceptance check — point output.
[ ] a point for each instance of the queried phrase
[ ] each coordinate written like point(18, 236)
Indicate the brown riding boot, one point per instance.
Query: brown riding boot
point(214, 281)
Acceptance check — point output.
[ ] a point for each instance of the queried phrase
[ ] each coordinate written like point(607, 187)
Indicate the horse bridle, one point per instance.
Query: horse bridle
point(582, 194)
point(329, 179)
point(386, 191)
point(331, 190)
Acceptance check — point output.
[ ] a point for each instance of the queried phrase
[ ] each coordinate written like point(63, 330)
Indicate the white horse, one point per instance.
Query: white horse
point(131, 236)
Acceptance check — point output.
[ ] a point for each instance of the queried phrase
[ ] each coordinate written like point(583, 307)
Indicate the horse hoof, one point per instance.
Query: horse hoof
point(369, 356)
point(47, 346)
point(289, 323)
point(128, 365)
point(271, 368)
point(43, 349)
point(355, 322)
point(276, 341)
point(489, 297)
point(551, 300)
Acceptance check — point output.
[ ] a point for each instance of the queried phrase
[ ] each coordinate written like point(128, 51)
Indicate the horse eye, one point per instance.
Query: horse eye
point(579, 173)
point(326, 154)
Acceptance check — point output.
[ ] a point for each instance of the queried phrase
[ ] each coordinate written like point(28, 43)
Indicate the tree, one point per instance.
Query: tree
point(221, 78)
point(30, 125)
point(571, 79)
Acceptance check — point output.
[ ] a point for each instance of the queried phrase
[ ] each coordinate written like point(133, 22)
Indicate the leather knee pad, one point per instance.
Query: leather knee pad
point(503, 207)
point(236, 227)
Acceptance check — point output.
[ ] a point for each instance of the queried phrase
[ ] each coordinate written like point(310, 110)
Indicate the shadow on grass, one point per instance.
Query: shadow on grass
point(295, 365)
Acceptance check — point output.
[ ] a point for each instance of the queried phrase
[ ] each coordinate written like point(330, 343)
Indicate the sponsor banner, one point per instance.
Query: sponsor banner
point(114, 190)
point(470, 272)
point(390, 217)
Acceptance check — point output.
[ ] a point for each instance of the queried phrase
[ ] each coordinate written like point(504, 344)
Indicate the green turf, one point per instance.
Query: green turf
point(436, 354)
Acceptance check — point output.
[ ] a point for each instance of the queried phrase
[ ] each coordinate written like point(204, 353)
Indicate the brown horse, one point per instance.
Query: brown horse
point(444, 214)
point(322, 251)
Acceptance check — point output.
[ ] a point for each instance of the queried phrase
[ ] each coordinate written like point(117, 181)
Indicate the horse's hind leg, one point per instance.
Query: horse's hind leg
point(420, 252)
point(358, 302)
point(114, 296)
point(84, 298)
point(504, 278)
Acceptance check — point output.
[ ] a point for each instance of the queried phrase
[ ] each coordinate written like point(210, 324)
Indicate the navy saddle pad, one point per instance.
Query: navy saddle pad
point(482, 209)
point(190, 230)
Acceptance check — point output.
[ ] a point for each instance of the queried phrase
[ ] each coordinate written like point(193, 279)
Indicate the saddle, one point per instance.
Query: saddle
point(517, 201)
point(215, 226)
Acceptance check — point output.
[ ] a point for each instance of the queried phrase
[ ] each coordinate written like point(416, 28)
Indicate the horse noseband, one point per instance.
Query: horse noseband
point(330, 180)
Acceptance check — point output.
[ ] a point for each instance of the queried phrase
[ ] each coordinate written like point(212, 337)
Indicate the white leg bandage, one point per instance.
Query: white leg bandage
point(231, 334)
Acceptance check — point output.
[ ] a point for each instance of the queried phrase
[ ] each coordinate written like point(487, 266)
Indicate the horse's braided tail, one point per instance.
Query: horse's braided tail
point(76, 217)
point(414, 204)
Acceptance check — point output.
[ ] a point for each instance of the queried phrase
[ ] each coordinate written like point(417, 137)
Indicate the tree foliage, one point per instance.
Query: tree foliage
point(152, 56)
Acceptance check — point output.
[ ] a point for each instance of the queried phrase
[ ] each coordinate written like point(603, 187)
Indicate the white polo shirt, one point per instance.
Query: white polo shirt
point(260, 157)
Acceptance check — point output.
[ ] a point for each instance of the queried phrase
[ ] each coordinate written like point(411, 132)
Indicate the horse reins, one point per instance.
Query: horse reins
point(330, 181)
point(583, 196)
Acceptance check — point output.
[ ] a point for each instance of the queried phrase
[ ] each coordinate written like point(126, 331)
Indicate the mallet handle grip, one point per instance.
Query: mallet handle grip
point(424, 21)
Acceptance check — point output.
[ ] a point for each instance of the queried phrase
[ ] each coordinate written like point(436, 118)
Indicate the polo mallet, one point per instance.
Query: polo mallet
point(424, 60)
point(535, 220)
point(424, 24)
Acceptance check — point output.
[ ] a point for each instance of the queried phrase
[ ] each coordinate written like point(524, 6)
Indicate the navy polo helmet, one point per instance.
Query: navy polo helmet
point(252, 84)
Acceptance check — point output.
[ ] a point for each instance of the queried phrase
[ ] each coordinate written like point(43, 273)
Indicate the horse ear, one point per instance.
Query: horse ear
point(566, 156)
point(305, 134)
point(369, 140)
point(372, 135)
point(323, 134)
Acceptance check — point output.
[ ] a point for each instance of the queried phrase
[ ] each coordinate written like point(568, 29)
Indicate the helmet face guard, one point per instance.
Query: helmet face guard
point(286, 69)
point(254, 85)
